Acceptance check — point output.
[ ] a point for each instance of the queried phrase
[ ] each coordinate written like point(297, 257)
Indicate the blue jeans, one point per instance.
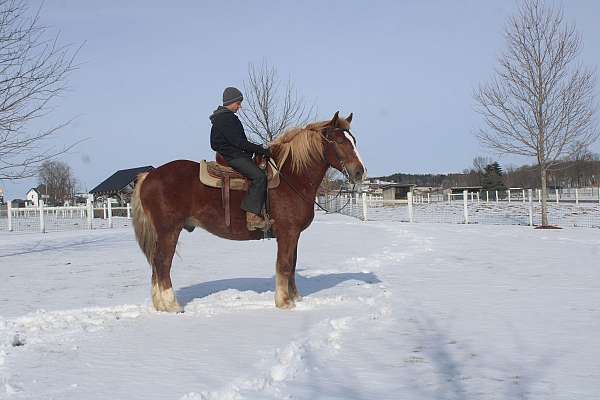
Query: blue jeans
point(257, 188)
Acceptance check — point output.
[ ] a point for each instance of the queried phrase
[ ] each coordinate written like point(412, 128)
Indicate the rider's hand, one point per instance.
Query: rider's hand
point(264, 152)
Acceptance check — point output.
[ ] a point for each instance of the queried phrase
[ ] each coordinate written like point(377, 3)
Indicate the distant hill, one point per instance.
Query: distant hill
point(571, 173)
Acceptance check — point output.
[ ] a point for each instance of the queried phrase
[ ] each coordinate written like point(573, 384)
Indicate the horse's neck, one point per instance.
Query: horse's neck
point(306, 182)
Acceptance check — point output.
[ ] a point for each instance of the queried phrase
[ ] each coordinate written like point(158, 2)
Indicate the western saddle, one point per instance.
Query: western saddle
point(218, 174)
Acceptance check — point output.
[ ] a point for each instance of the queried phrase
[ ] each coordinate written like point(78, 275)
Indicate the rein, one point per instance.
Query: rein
point(344, 171)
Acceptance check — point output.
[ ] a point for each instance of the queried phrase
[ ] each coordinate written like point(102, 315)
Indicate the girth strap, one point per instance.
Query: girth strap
point(225, 197)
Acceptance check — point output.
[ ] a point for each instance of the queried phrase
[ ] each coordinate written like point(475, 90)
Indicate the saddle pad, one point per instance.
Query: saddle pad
point(211, 174)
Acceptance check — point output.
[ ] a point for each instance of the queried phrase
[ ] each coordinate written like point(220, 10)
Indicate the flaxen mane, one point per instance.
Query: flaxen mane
point(303, 146)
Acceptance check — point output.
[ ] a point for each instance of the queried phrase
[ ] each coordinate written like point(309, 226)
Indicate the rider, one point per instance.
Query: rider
point(228, 138)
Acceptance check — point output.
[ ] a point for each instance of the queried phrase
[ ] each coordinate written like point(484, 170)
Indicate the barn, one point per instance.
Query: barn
point(119, 185)
point(397, 191)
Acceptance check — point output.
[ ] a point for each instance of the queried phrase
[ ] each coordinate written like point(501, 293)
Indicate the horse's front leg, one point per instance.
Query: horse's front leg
point(292, 289)
point(284, 277)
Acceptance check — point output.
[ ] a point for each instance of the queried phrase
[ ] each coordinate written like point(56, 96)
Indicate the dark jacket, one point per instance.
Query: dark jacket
point(227, 136)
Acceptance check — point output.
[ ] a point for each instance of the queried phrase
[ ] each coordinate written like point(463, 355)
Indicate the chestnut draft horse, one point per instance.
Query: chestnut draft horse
point(171, 196)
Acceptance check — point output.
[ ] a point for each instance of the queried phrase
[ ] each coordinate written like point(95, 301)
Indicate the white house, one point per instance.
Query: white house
point(33, 197)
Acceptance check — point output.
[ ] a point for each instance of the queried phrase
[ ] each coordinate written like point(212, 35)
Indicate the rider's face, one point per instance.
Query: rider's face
point(234, 107)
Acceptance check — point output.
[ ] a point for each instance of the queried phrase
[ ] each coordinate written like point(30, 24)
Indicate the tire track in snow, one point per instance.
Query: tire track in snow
point(65, 326)
point(325, 337)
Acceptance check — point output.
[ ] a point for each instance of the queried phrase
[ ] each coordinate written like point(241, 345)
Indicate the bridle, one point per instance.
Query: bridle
point(327, 137)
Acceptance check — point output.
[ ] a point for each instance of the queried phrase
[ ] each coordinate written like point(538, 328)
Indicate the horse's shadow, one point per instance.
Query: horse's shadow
point(306, 285)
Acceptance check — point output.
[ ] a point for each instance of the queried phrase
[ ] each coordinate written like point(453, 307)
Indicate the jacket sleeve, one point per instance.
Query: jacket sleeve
point(233, 131)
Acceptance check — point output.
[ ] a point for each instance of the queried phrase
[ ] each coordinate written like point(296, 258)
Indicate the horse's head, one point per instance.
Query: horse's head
point(340, 148)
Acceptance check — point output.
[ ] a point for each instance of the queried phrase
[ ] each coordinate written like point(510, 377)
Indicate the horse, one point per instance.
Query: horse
point(171, 197)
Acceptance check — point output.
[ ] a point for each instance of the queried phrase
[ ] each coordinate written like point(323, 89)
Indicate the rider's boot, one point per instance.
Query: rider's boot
point(254, 222)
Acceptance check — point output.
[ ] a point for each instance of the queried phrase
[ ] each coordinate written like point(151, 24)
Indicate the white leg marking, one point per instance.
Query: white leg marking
point(170, 301)
point(164, 300)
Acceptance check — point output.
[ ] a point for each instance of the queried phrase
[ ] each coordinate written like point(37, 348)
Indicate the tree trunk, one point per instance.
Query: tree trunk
point(544, 196)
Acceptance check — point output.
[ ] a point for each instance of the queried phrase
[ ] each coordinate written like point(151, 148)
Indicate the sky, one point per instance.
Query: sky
point(150, 73)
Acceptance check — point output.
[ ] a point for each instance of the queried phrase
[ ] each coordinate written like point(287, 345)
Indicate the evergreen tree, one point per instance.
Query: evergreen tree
point(492, 177)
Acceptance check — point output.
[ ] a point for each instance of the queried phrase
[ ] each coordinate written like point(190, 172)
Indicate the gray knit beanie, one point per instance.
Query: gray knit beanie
point(231, 95)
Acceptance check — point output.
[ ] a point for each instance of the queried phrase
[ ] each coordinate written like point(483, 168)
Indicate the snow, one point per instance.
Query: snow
point(390, 310)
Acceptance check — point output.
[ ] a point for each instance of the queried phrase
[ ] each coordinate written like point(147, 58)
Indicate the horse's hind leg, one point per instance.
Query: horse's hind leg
point(163, 296)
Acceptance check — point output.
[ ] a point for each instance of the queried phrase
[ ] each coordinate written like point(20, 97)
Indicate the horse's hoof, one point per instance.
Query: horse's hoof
point(287, 304)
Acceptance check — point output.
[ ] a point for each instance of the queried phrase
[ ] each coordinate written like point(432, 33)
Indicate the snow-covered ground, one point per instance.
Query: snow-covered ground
point(390, 311)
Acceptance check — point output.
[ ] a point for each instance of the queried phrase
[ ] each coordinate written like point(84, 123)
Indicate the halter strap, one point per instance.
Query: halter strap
point(335, 149)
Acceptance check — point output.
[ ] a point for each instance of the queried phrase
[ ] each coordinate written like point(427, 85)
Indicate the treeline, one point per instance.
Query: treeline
point(490, 175)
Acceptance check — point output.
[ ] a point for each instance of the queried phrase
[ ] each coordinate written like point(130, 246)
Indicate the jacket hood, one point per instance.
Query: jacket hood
point(220, 110)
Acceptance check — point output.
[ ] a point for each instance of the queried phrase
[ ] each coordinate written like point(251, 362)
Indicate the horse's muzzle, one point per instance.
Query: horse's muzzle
point(358, 175)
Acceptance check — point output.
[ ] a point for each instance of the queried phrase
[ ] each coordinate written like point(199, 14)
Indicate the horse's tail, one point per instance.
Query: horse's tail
point(142, 224)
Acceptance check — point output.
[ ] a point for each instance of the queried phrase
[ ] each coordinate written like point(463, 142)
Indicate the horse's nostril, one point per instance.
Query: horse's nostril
point(358, 175)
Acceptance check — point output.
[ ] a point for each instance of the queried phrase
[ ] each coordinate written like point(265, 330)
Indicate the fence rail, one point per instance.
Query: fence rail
point(580, 209)
point(53, 219)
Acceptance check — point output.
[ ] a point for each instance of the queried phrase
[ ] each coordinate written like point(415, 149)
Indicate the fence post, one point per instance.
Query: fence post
point(598, 195)
point(103, 210)
point(90, 212)
point(496, 197)
point(42, 219)
point(129, 211)
point(410, 206)
point(450, 197)
point(576, 196)
point(556, 191)
point(465, 206)
point(364, 207)
point(487, 196)
point(523, 195)
point(530, 208)
point(428, 198)
point(508, 195)
point(109, 206)
point(478, 198)
point(9, 211)
point(539, 191)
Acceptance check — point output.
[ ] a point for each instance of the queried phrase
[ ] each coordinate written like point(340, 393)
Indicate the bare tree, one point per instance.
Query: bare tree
point(58, 181)
point(541, 101)
point(480, 162)
point(33, 71)
point(270, 108)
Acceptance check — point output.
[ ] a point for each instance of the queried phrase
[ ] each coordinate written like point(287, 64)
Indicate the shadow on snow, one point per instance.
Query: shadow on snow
point(306, 285)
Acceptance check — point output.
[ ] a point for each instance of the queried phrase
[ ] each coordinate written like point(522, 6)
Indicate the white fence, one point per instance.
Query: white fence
point(53, 219)
point(516, 207)
point(575, 207)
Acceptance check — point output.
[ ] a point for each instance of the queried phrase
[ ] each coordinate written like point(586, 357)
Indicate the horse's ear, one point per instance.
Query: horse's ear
point(349, 118)
point(335, 119)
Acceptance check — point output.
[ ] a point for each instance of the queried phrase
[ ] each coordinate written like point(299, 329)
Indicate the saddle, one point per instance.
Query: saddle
point(217, 174)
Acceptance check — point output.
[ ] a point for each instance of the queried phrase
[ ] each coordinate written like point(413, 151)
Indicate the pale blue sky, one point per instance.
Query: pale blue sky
point(151, 73)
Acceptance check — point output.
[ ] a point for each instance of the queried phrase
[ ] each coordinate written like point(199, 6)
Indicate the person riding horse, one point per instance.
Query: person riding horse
point(227, 137)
